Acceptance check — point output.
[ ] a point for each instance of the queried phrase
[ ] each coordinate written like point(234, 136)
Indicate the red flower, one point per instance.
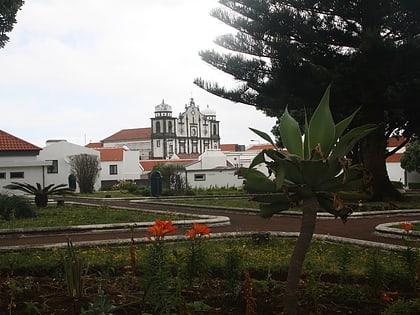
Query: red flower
point(197, 231)
point(407, 226)
point(160, 229)
point(387, 296)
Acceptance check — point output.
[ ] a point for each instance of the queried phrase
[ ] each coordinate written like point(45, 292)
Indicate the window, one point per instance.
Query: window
point(2, 175)
point(53, 168)
point(113, 170)
point(199, 177)
point(158, 143)
point(16, 175)
point(194, 146)
point(158, 127)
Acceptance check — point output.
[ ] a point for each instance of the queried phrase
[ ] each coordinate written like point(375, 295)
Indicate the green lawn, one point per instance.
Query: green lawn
point(73, 215)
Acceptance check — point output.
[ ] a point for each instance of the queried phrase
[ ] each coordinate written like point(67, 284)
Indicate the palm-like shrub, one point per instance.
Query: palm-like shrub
point(41, 193)
point(311, 171)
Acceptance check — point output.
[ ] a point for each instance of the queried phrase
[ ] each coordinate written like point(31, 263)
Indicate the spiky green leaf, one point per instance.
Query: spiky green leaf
point(268, 210)
point(256, 181)
point(348, 141)
point(290, 134)
point(321, 130)
point(342, 125)
point(263, 135)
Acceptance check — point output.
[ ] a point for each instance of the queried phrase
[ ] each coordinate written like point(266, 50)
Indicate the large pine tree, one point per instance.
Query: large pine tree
point(8, 10)
point(285, 53)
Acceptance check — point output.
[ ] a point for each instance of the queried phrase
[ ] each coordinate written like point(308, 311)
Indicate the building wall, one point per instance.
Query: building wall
point(31, 175)
point(213, 178)
point(61, 152)
point(127, 169)
point(142, 147)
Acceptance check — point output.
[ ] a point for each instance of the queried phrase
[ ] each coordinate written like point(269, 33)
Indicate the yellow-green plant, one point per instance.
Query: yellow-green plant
point(311, 170)
point(73, 272)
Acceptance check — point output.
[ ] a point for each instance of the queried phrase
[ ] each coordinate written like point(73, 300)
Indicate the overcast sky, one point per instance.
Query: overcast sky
point(82, 70)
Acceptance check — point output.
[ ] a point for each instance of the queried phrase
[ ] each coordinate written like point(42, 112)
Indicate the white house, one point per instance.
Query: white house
point(58, 153)
point(118, 164)
point(19, 163)
point(212, 169)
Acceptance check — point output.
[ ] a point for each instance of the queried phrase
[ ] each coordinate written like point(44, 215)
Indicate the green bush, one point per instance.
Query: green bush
point(414, 185)
point(397, 185)
point(15, 207)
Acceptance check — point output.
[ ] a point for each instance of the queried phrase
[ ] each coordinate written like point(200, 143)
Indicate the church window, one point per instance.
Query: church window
point(158, 127)
point(158, 143)
point(194, 147)
point(182, 147)
point(214, 129)
point(170, 126)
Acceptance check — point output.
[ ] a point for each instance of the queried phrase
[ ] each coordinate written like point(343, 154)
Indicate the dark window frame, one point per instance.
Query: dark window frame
point(113, 169)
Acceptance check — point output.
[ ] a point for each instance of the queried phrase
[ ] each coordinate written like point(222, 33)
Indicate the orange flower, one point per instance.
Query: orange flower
point(160, 229)
point(387, 296)
point(407, 226)
point(197, 231)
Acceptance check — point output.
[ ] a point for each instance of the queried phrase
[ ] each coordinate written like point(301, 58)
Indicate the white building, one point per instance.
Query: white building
point(58, 154)
point(118, 164)
point(19, 162)
point(192, 132)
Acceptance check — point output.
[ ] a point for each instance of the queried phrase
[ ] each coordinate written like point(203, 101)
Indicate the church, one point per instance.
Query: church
point(191, 133)
point(187, 135)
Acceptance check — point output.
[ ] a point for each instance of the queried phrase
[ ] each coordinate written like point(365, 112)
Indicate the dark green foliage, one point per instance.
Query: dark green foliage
point(233, 266)
point(15, 207)
point(410, 161)
point(8, 11)
point(286, 52)
point(171, 176)
point(41, 193)
point(414, 185)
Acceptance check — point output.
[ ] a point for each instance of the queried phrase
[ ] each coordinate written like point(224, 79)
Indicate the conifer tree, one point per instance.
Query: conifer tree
point(285, 53)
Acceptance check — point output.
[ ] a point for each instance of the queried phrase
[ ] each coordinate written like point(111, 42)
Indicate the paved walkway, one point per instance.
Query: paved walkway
point(358, 227)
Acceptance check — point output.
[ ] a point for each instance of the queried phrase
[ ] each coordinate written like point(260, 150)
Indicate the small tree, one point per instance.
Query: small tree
point(41, 193)
point(171, 176)
point(410, 161)
point(311, 171)
point(85, 168)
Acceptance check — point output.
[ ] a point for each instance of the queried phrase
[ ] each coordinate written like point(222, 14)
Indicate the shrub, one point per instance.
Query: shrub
point(15, 207)
point(414, 185)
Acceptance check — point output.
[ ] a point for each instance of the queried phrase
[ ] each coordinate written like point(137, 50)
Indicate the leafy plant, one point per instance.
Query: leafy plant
point(41, 193)
point(311, 171)
point(15, 207)
point(73, 272)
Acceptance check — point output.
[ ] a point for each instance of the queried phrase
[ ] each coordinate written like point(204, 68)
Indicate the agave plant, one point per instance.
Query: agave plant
point(41, 193)
point(312, 170)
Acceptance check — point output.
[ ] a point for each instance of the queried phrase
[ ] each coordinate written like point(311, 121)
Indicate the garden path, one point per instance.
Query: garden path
point(359, 228)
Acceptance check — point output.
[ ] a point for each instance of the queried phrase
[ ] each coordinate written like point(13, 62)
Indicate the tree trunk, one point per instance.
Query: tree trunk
point(41, 200)
point(307, 228)
point(373, 151)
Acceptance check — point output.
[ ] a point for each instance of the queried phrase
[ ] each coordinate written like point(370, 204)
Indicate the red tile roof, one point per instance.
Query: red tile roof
point(395, 158)
point(12, 143)
point(111, 154)
point(130, 134)
point(94, 145)
point(228, 147)
point(395, 141)
point(261, 147)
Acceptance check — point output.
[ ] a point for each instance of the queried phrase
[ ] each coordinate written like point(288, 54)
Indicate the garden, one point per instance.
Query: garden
point(201, 273)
